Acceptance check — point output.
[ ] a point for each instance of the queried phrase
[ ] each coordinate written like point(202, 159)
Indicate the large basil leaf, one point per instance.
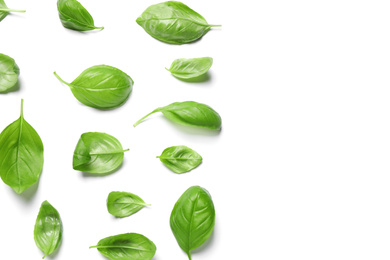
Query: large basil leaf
point(48, 229)
point(123, 204)
point(189, 113)
point(173, 22)
point(180, 159)
point(193, 218)
point(190, 68)
point(9, 73)
point(98, 153)
point(101, 86)
point(21, 154)
point(4, 10)
point(74, 16)
point(129, 246)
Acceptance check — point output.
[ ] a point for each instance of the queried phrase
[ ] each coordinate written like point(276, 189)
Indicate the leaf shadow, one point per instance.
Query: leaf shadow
point(88, 174)
point(58, 249)
point(193, 130)
point(13, 89)
point(206, 245)
point(29, 193)
point(72, 31)
point(207, 77)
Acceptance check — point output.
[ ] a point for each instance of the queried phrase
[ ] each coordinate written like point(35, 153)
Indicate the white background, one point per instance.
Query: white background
point(299, 171)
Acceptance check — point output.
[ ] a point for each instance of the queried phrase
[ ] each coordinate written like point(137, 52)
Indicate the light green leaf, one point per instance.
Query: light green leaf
point(9, 73)
point(124, 204)
point(186, 69)
point(180, 159)
point(4, 10)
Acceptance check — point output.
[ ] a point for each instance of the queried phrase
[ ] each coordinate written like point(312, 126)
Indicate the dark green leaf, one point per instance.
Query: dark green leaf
point(180, 159)
point(124, 204)
point(4, 10)
point(189, 113)
point(9, 73)
point(193, 218)
point(190, 68)
point(21, 154)
point(129, 246)
point(101, 86)
point(98, 153)
point(48, 229)
point(173, 22)
point(74, 16)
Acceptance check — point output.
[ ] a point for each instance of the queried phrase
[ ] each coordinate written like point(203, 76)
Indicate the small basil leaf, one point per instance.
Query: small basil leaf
point(189, 113)
point(180, 159)
point(4, 10)
point(98, 153)
point(9, 73)
point(173, 22)
point(190, 68)
point(124, 204)
point(193, 218)
point(48, 229)
point(74, 16)
point(101, 86)
point(129, 246)
point(21, 155)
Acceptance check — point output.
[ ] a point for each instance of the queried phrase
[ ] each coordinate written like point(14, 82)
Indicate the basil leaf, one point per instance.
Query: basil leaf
point(98, 153)
point(124, 204)
point(9, 73)
point(173, 22)
point(74, 16)
point(48, 229)
point(180, 159)
point(190, 68)
point(189, 113)
point(21, 154)
point(129, 246)
point(4, 10)
point(101, 86)
point(193, 218)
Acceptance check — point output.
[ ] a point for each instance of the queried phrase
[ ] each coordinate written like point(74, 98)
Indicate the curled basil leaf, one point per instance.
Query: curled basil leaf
point(48, 229)
point(189, 113)
point(4, 10)
point(129, 246)
point(173, 22)
point(21, 154)
point(124, 204)
point(9, 73)
point(98, 153)
point(180, 159)
point(193, 218)
point(186, 69)
point(74, 16)
point(101, 86)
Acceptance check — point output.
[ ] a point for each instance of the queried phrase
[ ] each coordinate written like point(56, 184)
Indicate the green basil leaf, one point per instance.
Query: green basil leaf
point(129, 246)
point(48, 229)
point(189, 113)
point(193, 218)
point(98, 153)
point(74, 16)
point(4, 10)
point(124, 204)
point(101, 86)
point(21, 155)
point(180, 159)
point(190, 68)
point(9, 73)
point(173, 22)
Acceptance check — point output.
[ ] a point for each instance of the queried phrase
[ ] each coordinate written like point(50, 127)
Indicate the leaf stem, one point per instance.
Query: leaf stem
point(93, 246)
point(139, 121)
point(12, 10)
point(215, 25)
point(21, 108)
point(189, 256)
point(101, 28)
point(60, 79)
point(126, 150)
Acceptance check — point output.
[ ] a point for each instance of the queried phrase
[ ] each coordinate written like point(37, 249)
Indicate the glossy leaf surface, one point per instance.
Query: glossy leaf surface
point(98, 153)
point(4, 10)
point(180, 159)
point(21, 155)
point(129, 246)
point(173, 22)
point(101, 86)
point(74, 16)
point(48, 229)
point(190, 68)
point(123, 204)
point(189, 113)
point(9, 73)
point(193, 218)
